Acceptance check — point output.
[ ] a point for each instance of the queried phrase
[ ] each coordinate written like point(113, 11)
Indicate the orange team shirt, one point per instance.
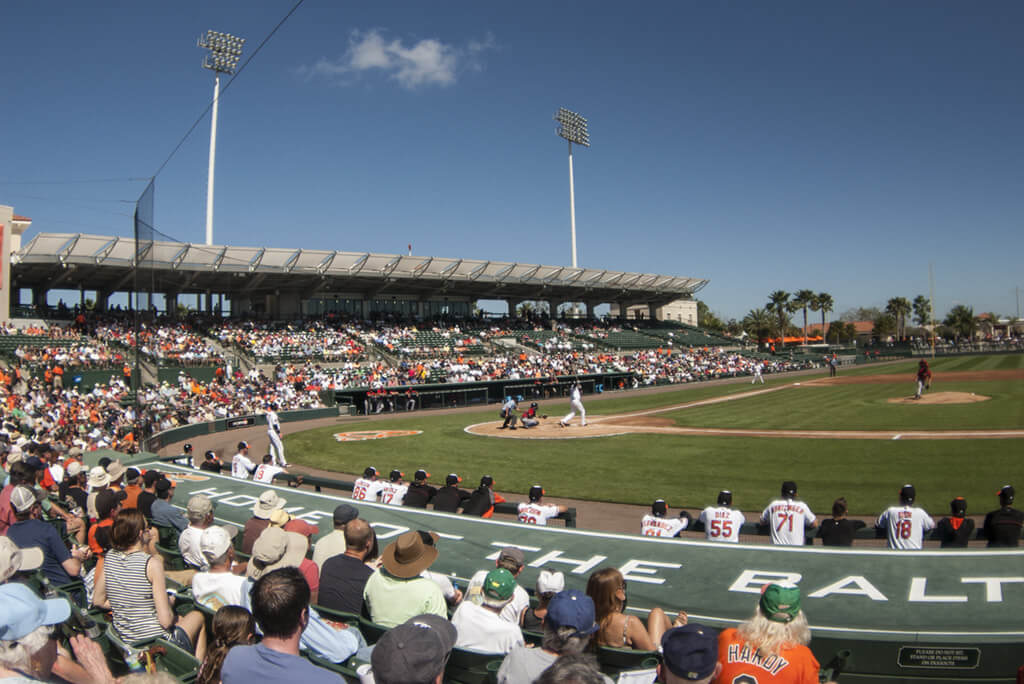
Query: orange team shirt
point(91, 537)
point(796, 665)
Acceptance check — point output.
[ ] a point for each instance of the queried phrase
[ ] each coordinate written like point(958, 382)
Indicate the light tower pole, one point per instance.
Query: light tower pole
point(573, 128)
point(225, 50)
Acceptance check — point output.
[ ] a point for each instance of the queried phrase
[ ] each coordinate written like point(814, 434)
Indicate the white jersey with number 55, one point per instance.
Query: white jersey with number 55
point(786, 519)
point(721, 523)
point(905, 526)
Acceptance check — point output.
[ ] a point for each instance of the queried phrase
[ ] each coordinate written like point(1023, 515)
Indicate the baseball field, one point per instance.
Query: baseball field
point(859, 435)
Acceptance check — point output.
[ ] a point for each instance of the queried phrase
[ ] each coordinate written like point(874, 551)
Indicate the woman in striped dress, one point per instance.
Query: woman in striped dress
point(132, 585)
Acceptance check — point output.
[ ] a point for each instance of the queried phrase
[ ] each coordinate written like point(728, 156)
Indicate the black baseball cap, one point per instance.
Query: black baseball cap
point(151, 477)
point(908, 493)
point(536, 491)
point(243, 445)
point(396, 475)
point(452, 479)
point(211, 455)
point(789, 488)
point(1006, 494)
point(725, 498)
point(690, 652)
point(187, 448)
point(421, 474)
point(370, 472)
point(486, 481)
point(659, 508)
point(958, 507)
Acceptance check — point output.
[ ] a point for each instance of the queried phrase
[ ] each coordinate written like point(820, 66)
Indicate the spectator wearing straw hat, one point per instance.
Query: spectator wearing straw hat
point(283, 519)
point(396, 592)
point(268, 502)
point(98, 479)
point(200, 517)
point(275, 549)
point(480, 627)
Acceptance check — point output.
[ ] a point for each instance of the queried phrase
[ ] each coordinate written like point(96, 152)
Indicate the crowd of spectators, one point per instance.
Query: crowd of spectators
point(324, 340)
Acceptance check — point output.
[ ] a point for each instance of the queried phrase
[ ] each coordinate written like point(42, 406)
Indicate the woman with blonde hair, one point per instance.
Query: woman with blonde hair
point(607, 588)
point(232, 626)
point(772, 645)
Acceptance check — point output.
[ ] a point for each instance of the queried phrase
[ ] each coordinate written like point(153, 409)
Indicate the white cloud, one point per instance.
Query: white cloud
point(424, 63)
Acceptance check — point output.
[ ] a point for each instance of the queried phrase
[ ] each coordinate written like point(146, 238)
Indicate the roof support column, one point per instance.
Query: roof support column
point(39, 298)
point(590, 309)
point(652, 314)
point(171, 302)
point(513, 304)
point(553, 308)
point(102, 300)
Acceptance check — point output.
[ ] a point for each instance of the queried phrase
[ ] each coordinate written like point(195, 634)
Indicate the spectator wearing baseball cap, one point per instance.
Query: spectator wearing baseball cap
point(275, 548)
point(164, 514)
point(72, 487)
point(512, 559)
point(450, 498)
point(414, 652)
point(689, 654)
point(220, 585)
point(14, 559)
point(569, 625)
point(419, 493)
point(132, 487)
point(548, 584)
point(333, 543)
point(20, 474)
point(268, 502)
point(777, 633)
point(28, 646)
point(396, 592)
point(1003, 526)
point(98, 479)
point(283, 519)
point(59, 564)
point(199, 512)
point(481, 627)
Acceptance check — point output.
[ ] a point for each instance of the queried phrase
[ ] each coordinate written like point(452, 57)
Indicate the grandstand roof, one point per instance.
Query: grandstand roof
point(98, 262)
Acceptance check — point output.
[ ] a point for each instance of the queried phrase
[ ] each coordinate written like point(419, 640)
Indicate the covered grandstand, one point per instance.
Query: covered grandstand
point(281, 283)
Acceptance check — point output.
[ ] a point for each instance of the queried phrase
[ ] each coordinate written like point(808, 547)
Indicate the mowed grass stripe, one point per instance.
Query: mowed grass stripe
point(689, 471)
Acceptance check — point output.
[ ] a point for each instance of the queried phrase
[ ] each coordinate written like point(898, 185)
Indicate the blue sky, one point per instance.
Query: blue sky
point(840, 147)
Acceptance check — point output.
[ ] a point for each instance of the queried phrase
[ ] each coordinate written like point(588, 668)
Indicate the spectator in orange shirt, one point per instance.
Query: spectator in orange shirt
point(132, 488)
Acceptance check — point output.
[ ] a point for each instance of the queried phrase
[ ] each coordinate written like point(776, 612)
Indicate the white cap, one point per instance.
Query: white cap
point(215, 541)
point(550, 582)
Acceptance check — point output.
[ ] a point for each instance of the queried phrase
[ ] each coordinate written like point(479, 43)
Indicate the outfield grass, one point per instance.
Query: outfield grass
point(689, 471)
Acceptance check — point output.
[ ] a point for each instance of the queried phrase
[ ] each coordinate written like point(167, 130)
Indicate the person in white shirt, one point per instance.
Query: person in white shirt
point(536, 512)
point(722, 522)
point(787, 517)
point(576, 404)
point(480, 627)
point(274, 433)
point(757, 373)
point(905, 524)
point(655, 524)
point(267, 470)
point(393, 492)
point(367, 487)
point(220, 585)
point(513, 560)
point(241, 466)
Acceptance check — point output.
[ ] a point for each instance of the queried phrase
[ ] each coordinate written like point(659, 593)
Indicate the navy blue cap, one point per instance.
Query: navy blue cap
point(572, 608)
point(691, 651)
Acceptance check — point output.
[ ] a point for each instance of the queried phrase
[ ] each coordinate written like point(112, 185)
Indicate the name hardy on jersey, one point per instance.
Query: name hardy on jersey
point(773, 664)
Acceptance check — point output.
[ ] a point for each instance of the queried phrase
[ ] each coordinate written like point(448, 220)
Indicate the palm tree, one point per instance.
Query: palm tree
point(778, 305)
point(801, 300)
point(922, 311)
point(961, 319)
point(825, 304)
point(758, 324)
point(898, 308)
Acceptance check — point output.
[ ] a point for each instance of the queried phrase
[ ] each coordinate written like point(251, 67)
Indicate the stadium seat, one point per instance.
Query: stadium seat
point(470, 667)
point(616, 660)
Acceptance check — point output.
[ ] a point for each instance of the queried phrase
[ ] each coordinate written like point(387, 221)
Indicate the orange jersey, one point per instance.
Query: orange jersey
point(795, 665)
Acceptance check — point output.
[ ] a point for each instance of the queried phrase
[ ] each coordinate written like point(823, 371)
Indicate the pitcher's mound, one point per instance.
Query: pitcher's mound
point(942, 398)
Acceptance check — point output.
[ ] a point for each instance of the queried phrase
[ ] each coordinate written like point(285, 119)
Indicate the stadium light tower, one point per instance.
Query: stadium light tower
point(225, 50)
point(573, 128)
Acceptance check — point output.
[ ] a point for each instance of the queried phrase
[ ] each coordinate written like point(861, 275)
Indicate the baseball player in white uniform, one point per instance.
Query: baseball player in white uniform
point(393, 492)
point(537, 513)
point(655, 524)
point(267, 470)
point(241, 466)
point(757, 373)
point(274, 433)
point(576, 404)
point(787, 517)
point(367, 487)
point(722, 522)
point(905, 524)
